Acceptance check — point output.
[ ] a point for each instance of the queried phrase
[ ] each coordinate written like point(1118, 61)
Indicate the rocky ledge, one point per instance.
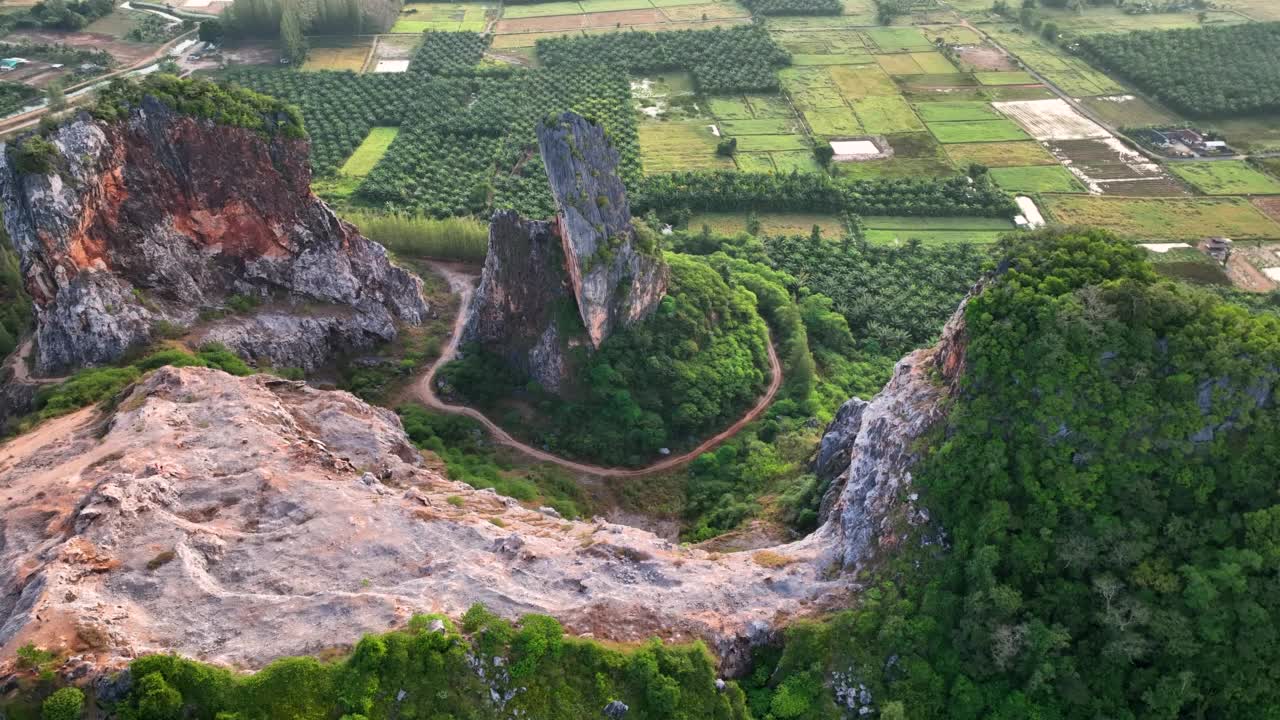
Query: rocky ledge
point(148, 224)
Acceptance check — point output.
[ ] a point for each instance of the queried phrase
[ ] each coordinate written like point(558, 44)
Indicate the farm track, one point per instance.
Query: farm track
point(462, 284)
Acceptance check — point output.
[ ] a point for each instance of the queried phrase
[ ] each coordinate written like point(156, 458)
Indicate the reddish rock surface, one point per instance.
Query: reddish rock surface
point(161, 215)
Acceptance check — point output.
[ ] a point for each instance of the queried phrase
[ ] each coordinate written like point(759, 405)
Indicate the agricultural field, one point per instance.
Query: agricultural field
point(881, 230)
point(1036, 179)
point(1165, 219)
point(450, 17)
point(369, 153)
point(351, 55)
point(1226, 177)
point(672, 146)
point(1130, 111)
point(1001, 154)
point(1072, 74)
point(976, 131)
point(595, 16)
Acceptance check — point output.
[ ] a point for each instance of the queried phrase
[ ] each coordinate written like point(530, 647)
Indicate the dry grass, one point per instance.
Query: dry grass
point(771, 559)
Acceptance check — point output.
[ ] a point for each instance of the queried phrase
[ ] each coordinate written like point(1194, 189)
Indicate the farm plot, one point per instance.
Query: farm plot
point(449, 17)
point(1011, 77)
point(1000, 130)
point(944, 111)
point(1226, 177)
point(1070, 73)
point(729, 223)
point(1129, 111)
point(833, 123)
point(861, 81)
point(369, 153)
point(935, 231)
point(352, 56)
point(1108, 166)
point(673, 146)
point(1036, 179)
point(1165, 219)
point(813, 88)
point(886, 114)
point(1001, 154)
point(1051, 120)
point(826, 59)
point(897, 39)
point(916, 155)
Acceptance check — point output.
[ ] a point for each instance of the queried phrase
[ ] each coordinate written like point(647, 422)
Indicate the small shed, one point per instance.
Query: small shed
point(13, 63)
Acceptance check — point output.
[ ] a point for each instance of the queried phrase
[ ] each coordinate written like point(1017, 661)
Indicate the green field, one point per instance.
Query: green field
point(675, 146)
point(1226, 177)
point(812, 88)
point(825, 59)
point(1166, 219)
point(880, 230)
point(1130, 111)
point(516, 12)
point(764, 126)
point(886, 114)
point(977, 131)
point(370, 152)
point(450, 17)
point(956, 111)
point(1036, 179)
point(896, 39)
point(840, 122)
point(1001, 154)
point(767, 143)
point(1017, 77)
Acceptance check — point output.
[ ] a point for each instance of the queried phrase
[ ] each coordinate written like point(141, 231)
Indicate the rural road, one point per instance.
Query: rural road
point(461, 284)
point(21, 373)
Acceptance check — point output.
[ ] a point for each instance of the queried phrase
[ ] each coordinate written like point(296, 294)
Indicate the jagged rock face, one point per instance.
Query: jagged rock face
point(523, 299)
point(238, 520)
point(615, 283)
point(587, 262)
point(160, 216)
point(870, 450)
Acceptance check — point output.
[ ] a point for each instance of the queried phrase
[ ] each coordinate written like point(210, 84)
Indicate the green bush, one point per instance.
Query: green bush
point(464, 239)
point(64, 704)
point(84, 388)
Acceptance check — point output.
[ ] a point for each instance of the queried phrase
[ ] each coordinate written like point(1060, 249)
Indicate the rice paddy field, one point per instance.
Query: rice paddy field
point(1037, 179)
point(1165, 219)
point(1226, 177)
point(447, 16)
point(880, 230)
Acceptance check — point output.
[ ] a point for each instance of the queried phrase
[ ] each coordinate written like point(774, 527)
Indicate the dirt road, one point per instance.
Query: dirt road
point(462, 284)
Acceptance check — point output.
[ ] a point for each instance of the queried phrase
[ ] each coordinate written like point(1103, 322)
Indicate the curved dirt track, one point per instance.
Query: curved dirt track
point(461, 283)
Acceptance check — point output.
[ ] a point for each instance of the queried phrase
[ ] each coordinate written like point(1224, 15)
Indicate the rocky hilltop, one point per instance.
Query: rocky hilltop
point(551, 284)
point(138, 226)
point(241, 519)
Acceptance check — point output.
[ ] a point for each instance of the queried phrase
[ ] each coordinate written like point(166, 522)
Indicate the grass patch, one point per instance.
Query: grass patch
point(897, 39)
point(797, 160)
point(730, 108)
point(933, 63)
point(1014, 77)
point(980, 131)
point(754, 162)
point(899, 64)
point(1166, 219)
point(515, 12)
point(833, 123)
point(1001, 154)
point(932, 238)
point(674, 146)
point(812, 87)
point(945, 111)
point(854, 82)
point(1226, 177)
point(370, 151)
point(1129, 111)
point(825, 59)
point(767, 143)
point(1036, 179)
point(765, 126)
point(766, 106)
point(350, 58)
point(887, 114)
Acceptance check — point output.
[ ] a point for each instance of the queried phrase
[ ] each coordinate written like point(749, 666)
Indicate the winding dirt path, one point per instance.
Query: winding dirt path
point(462, 284)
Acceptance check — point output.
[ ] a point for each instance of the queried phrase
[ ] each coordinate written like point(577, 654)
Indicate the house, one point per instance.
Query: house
point(1219, 248)
point(8, 64)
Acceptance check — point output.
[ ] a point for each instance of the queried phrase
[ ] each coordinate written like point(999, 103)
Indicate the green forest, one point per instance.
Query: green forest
point(1106, 490)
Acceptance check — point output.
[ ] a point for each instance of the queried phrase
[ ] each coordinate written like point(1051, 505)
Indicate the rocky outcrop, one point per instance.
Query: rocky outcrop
point(551, 285)
point(242, 519)
point(870, 449)
point(149, 222)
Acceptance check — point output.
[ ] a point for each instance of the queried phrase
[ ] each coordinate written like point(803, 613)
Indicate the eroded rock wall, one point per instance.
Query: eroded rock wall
point(616, 281)
point(549, 286)
point(156, 218)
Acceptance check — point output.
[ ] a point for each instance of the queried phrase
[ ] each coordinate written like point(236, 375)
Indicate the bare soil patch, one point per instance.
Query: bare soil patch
point(1270, 206)
point(125, 53)
point(1051, 120)
point(985, 58)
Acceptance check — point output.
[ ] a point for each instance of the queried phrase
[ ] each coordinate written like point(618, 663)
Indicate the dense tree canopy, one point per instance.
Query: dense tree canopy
point(1208, 71)
point(1107, 489)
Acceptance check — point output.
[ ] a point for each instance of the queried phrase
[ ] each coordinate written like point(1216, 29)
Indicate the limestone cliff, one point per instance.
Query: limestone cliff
point(146, 223)
point(548, 285)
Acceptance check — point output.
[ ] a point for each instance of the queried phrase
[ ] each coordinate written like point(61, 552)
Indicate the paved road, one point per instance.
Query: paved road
point(462, 284)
